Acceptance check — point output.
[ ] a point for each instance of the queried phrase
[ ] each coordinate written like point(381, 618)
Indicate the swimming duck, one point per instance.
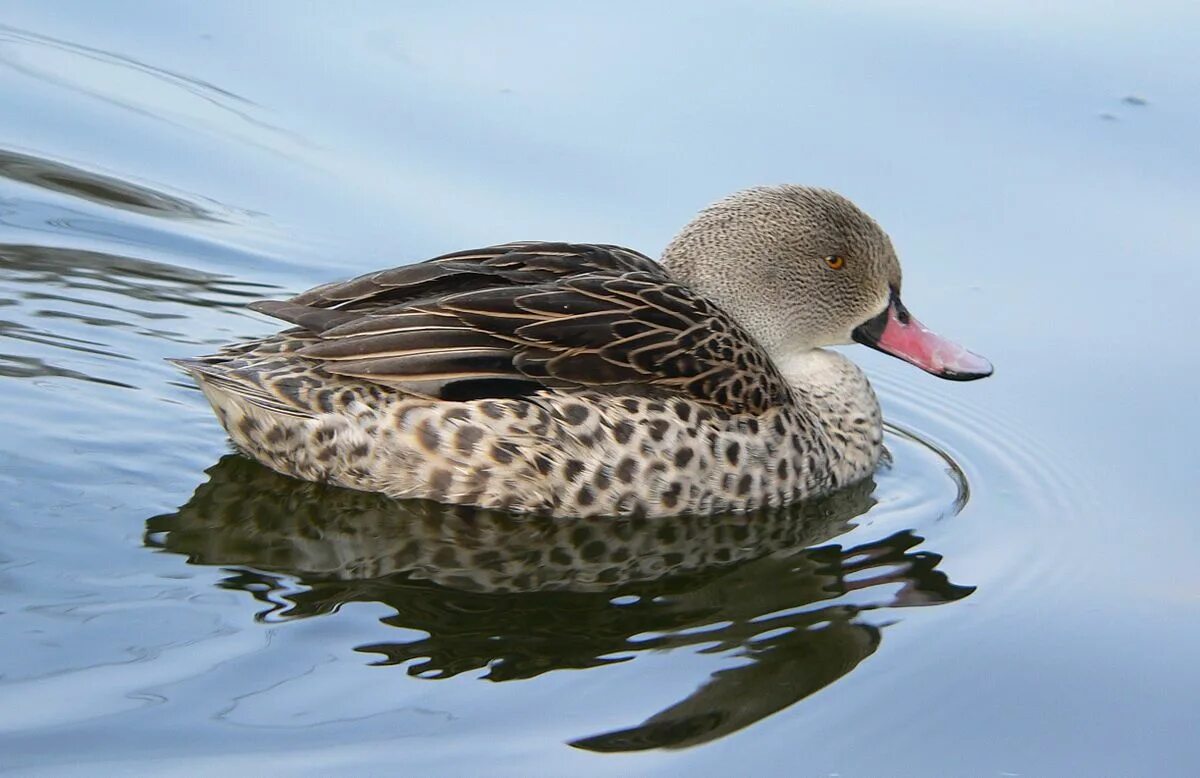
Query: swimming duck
point(588, 379)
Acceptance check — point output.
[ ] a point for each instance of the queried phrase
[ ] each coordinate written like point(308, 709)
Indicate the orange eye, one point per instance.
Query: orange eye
point(837, 263)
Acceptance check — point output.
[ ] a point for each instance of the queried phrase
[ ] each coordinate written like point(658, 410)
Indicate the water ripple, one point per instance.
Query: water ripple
point(53, 297)
point(95, 187)
point(142, 88)
point(988, 449)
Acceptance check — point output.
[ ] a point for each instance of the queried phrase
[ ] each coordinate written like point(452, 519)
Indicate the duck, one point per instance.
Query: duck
point(580, 380)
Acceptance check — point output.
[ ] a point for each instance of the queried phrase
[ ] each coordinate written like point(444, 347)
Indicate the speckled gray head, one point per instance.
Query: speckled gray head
point(803, 268)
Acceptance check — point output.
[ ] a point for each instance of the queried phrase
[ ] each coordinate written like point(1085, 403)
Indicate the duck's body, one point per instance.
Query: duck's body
point(569, 379)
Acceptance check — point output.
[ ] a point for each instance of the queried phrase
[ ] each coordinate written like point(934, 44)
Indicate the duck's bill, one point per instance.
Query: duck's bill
point(896, 332)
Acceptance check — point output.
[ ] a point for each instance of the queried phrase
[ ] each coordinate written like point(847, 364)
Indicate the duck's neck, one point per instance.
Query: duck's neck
point(751, 301)
point(839, 397)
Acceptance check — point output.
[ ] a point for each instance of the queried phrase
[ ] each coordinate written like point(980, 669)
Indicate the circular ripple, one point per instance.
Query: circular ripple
point(1024, 495)
point(982, 446)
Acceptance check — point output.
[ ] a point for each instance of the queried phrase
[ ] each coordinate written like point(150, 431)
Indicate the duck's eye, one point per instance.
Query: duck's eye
point(835, 262)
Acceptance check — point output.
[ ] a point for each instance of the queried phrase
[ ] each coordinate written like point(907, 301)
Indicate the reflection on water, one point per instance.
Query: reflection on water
point(97, 188)
point(66, 299)
point(520, 596)
point(45, 267)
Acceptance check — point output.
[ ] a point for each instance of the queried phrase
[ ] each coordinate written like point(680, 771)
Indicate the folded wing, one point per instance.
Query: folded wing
point(513, 319)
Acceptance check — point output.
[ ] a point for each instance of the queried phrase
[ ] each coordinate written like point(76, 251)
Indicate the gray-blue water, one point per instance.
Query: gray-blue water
point(1016, 594)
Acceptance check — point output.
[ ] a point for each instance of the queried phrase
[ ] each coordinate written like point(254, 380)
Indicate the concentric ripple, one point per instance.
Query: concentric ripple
point(1025, 494)
point(986, 451)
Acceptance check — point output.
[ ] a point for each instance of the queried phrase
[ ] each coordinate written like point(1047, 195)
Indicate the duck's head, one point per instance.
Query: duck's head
point(802, 268)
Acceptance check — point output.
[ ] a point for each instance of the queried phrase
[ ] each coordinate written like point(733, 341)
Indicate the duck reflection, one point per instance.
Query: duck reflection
point(520, 596)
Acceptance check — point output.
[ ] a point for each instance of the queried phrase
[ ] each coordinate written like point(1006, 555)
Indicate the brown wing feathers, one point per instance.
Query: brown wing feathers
point(516, 318)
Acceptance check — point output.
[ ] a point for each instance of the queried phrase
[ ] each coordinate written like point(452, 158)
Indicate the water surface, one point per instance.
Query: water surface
point(1014, 593)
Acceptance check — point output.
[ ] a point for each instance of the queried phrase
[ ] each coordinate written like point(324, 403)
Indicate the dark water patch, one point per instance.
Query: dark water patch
point(97, 188)
point(14, 366)
point(102, 317)
point(41, 267)
point(17, 331)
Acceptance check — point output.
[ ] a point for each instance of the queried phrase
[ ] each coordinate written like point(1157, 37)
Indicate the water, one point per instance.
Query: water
point(168, 608)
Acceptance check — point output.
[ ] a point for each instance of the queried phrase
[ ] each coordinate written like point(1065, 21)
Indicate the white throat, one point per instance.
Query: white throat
point(841, 401)
point(818, 368)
